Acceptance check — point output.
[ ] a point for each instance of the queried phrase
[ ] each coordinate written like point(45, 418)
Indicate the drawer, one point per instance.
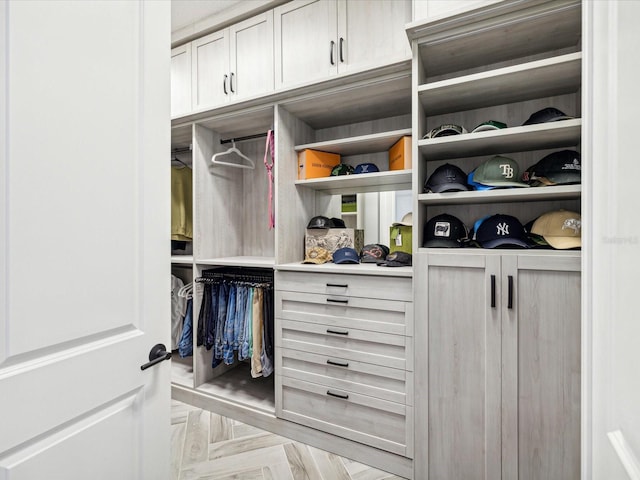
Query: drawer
point(387, 316)
point(351, 375)
point(379, 423)
point(348, 343)
point(364, 286)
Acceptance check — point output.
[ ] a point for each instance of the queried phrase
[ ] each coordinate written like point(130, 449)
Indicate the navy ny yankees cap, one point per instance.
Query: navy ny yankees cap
point(446, 178)
point(444, 231)
point(501, 231)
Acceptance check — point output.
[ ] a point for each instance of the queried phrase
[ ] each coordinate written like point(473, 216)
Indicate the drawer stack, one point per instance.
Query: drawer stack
point(344, 363)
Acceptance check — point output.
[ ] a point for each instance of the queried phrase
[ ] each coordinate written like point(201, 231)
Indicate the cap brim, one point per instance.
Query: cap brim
point(441, 243)
point(485, 128)
point(315, 261)
point(345, 260)
point(506, 184)
point(500, 242)
point(563, 243)
point(371, 260)
point(393, 264)
point(565, 178)
point(554, 119)
point(450, 187)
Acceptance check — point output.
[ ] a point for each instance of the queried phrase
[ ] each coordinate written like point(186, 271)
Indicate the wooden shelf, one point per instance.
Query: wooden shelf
point(358, 269)
point(366, 182)
point(243, 261)
point(540, 136)
point(543, 78)
point(507, 195)
point(377, 142)
point(182, 259)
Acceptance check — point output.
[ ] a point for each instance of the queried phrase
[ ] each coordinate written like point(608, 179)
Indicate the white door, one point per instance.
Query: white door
point(84, 233)
point(211, 75)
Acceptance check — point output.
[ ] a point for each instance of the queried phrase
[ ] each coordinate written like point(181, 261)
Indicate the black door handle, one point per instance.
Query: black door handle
point(224, 84)
point(510, 299)
point(332, 44)
point(157, 354)
point(231, 83)
point(493, 291)
point(341, 56)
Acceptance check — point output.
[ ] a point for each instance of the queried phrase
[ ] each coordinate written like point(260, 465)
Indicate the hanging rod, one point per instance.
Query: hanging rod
point(242, 139)
point(177, 151)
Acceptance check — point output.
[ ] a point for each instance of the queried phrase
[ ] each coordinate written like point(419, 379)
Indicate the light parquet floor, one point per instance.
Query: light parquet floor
point(207, 446)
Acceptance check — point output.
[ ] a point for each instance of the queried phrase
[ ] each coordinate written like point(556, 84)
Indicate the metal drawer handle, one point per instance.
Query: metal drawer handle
point(338, 300)
point(344, 396)
point(338, 332)
point(337, 285)
point(331, 46)
point(337, 364)
point(224, 84)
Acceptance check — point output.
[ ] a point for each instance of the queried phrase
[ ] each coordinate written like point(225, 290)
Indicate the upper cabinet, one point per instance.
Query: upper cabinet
point(428, 9)
point(233, 64)
point(317, 39)
point(181, 80)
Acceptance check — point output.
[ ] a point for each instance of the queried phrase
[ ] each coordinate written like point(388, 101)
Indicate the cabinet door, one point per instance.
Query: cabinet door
point(181, 80)
point(541, 367)
point(462, 393)
point(251, 56)
point(305, 38)
point(371, 33)
point(423, 9)
point(210, 58)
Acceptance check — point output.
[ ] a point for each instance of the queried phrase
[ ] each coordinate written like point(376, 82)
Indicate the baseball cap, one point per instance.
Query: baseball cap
point(549, 114)
point(501, 231)
point(406, 221)
point(446, 178)
point(561, 229)
point(346, 255)
point(317, 255)
point(374, 253)
point(489, 125)
point(558, 168)
point(321, 221)
point(342, 169)
point(445, 130)
point(336, 223)
point(366, 168)
point(497, 172)
point(444, 231)
point(397, 259)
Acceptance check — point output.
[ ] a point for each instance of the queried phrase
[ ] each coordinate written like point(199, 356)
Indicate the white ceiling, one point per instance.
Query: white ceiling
point(187, 12)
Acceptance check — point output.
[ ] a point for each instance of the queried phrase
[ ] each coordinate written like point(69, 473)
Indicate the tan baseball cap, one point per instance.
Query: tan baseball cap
point(561, 229)
point(317, 255)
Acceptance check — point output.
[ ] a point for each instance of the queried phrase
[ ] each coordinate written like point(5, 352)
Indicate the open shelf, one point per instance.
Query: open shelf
point(182, 370)
point(539, 136)
point(543, 78)
point(530, 194)
point(358, 269)
point(366, 182)
point(181, 259)
point(377, 142)
point(243, 261)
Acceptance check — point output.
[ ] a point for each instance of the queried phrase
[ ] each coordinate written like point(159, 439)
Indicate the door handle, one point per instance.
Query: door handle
point(338, 332)
point(338, 300)
point(344, 396)
point(493, 291)
point(338, 285)
point(341, 50)
point(337, 364)
point(157, 354)
point(231, 83)
point(224, 84)
point(332, 44)
point(510, 299)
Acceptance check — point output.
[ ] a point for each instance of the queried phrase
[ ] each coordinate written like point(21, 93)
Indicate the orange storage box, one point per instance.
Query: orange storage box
point(316, 164)
point(400, 154)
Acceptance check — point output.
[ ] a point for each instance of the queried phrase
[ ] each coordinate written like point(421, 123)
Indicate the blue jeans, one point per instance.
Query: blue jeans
point(223, 292)
point(185, 346)
point(227, 340)
point(245, 341)
point(211, 315)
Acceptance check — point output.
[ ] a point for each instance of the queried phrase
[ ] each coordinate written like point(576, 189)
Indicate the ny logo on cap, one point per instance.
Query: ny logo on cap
point(442, 229)
point(507, 170)
point(502, 228)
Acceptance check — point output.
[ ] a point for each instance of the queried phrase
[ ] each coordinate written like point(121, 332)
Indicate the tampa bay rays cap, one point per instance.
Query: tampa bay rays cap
point(501, 231)
point(444, 231)
point(498, 172)
point(446, 178)
point(561, 229)
point(549, 114)
point(366, 168)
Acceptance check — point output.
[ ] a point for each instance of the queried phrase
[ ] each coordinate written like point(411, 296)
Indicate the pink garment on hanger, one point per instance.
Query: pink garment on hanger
point(269, 149)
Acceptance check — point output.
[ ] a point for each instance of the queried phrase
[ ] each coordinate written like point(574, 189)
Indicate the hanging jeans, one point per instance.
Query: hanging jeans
point(223, 292)
point(244, 342)
point(185, 347)
point(266, 356)
point(227, 339)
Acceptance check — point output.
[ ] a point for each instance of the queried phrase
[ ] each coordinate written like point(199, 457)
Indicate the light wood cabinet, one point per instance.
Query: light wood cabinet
point(317, 39)
point(502, 387)
point(426, 9)
point(234, 63)
point(181, 80)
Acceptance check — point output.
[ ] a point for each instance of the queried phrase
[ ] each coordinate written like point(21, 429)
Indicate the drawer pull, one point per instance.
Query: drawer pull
point(337, 285)
point(338, 300)
point(337, 364)
point(344, 396)
point(338, 332)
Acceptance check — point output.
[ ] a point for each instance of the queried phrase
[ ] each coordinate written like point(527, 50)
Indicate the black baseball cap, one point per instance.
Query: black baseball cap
point(374, 253)
point(397, 259)
point(549, 114)
point(446, 178)
point(558, 168)
point(444, 231)
point(501, 231)
point(321, 221)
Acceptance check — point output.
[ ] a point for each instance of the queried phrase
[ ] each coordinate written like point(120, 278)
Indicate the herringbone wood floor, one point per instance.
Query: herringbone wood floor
point(207, 446)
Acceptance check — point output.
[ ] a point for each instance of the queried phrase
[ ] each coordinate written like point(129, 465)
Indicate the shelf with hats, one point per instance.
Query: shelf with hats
point(361, 183)
point(359, 145)
point(505, 140)
point(532, 194)
point(541, 78)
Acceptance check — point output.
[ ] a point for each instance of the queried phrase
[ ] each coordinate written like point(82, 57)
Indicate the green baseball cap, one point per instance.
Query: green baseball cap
point(499, 171)
point(342, 169)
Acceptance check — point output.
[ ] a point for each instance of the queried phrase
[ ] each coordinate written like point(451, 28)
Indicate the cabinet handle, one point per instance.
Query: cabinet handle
point(338, 332)
point(341, 50)
point(510, 301)
point(338, 285)
point(493, 291)
point(333, 44)
point(337, 300)
point(338, 364)
point(231, 83)
point(344, 396)
point(224, 84)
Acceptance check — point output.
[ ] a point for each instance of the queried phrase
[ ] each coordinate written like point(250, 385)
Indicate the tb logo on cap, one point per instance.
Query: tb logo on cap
point(507, 170)
point(502, 228)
